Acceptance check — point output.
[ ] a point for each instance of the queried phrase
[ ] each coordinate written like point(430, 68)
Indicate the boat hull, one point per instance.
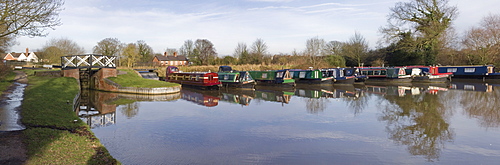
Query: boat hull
point(315, 81)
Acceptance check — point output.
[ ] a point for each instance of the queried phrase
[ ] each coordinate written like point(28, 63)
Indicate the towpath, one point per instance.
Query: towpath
point(12, 148)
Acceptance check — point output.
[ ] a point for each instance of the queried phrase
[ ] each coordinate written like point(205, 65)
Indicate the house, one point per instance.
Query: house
point(167, 60)
point(27, 56)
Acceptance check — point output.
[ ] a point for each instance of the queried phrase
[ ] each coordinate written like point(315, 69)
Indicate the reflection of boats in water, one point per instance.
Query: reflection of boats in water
point(204, 99)
point(274, 94)
point(393, 90)
point(471, 86)
point(404, 90)
point(210, 98)
point(318, 91)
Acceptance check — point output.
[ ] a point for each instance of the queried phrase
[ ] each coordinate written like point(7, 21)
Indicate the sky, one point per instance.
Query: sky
point(284, 25)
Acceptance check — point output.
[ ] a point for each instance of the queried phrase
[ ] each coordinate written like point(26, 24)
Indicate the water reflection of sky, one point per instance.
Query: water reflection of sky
point(270, 132)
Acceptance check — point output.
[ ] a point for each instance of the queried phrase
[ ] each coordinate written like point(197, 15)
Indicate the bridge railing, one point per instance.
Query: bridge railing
point(88, 61)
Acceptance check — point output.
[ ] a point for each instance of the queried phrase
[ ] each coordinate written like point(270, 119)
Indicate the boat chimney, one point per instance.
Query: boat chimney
point(27, 51)
point(175, 54)
point(165, 54)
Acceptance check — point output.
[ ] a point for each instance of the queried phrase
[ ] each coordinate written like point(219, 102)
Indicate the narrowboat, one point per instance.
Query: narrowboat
point(206, 80)
point(424, 74)
point(386, 75)
point(359, 78)
point(311, 76)
point(280, 78)
point(339, 77)
point(232, 78)
point(486, 73)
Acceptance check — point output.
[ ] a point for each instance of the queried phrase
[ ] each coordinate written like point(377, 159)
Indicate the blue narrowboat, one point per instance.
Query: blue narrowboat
point(339, 77)
point(483, 72)
point(386, 75)
point(359, 78)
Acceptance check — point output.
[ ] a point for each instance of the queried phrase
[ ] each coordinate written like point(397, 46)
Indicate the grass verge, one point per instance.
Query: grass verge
point(132, 79)
point(54, 134)
point(7, 81)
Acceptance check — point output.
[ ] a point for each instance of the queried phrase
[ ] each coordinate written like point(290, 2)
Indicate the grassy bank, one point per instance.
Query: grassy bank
point(131, 79)
point(6, 81)
point(55, 134)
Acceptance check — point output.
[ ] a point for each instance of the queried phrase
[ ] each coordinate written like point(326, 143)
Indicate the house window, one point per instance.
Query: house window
point(469, 70)
point(451, 70)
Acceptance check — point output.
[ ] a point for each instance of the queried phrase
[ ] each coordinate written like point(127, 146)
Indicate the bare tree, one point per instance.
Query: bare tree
point(108, 47)
point(55, 48)
point(258, 51)
point(29, 17)
point(356, 49)
point(187, 49)
point(145, 51)
point(315, 49)
point(204, 52)
point(483, 43)
point(130, 54)
point(241, 52)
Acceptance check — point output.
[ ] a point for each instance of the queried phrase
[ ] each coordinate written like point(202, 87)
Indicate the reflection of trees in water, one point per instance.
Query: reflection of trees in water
point(356, 104)
point(418, 122)
point(130, 110)
point(316, 105)
point(483, 106)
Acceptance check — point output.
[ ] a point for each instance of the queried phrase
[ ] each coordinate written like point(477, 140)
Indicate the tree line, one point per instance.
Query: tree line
point(418, 32)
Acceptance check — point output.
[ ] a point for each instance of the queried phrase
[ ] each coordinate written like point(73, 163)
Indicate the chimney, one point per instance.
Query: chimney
point(165, 54)
point(27, 51)
point(175, 54)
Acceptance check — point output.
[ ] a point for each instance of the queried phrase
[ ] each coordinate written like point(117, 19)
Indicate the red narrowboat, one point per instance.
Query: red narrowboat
point(208, 80)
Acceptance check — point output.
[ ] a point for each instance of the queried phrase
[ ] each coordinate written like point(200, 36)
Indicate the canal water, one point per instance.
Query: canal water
point(454, 123)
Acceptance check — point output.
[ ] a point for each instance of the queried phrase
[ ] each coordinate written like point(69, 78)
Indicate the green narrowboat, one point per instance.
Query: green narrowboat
point(233, 78)
point(273, 78)
point(311, 76)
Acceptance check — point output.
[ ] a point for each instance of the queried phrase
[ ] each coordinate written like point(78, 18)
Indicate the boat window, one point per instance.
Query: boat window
point(451, 70)
point(264, 75)
point(302, 74)
point(383, 72)
point(364, 72)
point(469, 70)
point(376, 72)
point(370, 72)
point(226, 77)
point(279, 74)
point(197, 77)
point(468, 87)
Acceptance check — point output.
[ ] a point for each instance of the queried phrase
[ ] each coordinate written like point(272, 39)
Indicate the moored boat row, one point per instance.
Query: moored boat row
point(227, 77)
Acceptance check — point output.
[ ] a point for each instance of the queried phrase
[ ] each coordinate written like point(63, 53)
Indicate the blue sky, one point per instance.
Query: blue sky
point(284, 25)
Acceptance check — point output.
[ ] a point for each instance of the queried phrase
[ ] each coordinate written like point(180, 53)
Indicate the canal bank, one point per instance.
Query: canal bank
point(53, 134)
